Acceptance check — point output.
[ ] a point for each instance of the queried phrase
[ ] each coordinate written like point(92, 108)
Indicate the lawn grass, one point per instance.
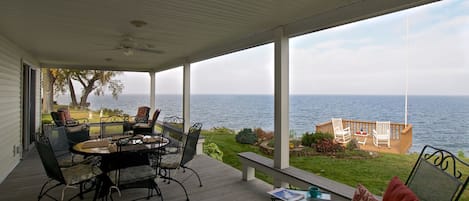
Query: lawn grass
point(374, 173)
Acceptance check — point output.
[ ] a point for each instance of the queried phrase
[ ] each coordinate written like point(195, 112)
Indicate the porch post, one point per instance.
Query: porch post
point(152, 92)
point(281, 105)
point(186, 96)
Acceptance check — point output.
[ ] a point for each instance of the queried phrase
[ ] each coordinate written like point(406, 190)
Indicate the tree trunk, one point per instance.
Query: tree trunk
point(84, 97)
point(73, 96)
point(48, 98)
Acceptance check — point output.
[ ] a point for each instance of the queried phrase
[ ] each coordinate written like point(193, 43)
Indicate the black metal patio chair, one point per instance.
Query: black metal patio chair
point(438, 175)
point(131, 169)
point(179, 160)
point(70, 176)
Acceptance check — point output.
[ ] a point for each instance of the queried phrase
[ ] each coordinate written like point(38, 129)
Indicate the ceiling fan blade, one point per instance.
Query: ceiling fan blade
point(149, 50)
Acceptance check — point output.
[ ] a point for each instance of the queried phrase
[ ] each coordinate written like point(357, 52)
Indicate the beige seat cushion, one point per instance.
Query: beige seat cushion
point(79, 173)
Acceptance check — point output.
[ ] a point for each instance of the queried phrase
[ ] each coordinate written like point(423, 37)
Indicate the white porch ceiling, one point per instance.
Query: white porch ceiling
point(83, 33)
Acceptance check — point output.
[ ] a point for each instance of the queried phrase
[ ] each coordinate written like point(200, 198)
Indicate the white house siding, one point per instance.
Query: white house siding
point(10, 103)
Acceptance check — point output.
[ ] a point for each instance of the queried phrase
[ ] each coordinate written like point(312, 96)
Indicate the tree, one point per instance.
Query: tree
point(97, 81)
point(90, 80)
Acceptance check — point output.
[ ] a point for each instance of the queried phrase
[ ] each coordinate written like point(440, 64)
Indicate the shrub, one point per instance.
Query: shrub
point(461, 154)
point(263, 135)
point(352, 144)
point(246, 136)
point(307, 139)
point(328, 146)
point(212, 150)
point(271, 143)
point(313, 138)
point(113, 112)
point(322, 136)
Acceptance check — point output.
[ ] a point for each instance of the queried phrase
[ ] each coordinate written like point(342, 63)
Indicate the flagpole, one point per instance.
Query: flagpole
point(406, 70)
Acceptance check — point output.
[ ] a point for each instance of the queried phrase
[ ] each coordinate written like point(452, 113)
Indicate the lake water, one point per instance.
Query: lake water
point(442, 121)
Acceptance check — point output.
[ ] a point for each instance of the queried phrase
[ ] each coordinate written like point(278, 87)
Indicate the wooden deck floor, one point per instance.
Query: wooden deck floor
point(369, 146)
point(220, 182)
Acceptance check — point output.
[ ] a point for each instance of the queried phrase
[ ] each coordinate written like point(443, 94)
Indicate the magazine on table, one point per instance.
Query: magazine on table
point(287, 195)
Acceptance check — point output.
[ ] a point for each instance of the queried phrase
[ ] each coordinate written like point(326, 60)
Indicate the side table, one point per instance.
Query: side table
point(363, 135)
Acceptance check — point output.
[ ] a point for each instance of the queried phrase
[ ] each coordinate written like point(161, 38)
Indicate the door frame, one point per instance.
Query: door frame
point(29, 78)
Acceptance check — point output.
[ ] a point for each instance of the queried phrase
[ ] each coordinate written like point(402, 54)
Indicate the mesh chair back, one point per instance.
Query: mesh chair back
point(77, 137)
point(438, 175)
point(191, 143)
point(58, 140)
point(48, 159)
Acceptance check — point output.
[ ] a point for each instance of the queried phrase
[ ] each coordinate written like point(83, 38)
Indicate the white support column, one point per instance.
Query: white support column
point(186, 96)
point(281, 99)
point(152, 92)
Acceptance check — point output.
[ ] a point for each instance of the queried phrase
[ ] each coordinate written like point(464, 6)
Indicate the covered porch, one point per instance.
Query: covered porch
point(220, 182)
point(60, 34)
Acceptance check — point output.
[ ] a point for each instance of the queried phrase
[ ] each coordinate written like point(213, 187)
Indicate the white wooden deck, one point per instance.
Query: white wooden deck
point(220, 182)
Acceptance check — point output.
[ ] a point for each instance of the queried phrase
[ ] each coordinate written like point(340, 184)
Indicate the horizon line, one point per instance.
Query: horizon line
point(299, 94)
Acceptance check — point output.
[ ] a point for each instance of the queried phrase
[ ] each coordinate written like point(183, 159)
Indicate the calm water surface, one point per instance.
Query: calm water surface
point(438, 120)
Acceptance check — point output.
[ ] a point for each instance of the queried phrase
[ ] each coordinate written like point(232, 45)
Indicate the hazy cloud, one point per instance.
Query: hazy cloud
point(367, 57)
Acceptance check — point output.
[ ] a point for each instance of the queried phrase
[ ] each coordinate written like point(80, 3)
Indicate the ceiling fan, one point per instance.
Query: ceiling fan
point(129, 45)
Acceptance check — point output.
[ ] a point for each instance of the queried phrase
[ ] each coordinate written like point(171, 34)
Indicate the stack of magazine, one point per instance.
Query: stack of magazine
point(287, 195)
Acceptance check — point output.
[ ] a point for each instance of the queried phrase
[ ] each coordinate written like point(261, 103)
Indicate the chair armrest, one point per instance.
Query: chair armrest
point(347, 129)
point(71, 123)
point(75, 122)
point(82, 120)
point(374, 132)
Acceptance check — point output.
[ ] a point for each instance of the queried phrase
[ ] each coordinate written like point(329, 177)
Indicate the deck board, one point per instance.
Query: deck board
point(220, 182)
point(369, 146)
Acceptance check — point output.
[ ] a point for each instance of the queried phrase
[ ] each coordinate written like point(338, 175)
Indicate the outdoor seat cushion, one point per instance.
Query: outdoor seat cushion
point(362, 194)
point(78, 128)
point(170, 161)
point(70, 160)
point(398, 191)
point(79, 173)
point(133, 174)
point(141, 125)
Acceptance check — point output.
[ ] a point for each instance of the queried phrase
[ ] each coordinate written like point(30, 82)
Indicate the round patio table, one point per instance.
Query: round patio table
point(108, 149)
point(102, 147)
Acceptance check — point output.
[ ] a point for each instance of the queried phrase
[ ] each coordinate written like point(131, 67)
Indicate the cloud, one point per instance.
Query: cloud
point(437, 48)
point(367, 57)
point(246, 72)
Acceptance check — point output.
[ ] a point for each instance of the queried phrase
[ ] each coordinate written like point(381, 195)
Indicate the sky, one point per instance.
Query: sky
point(430, 44)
